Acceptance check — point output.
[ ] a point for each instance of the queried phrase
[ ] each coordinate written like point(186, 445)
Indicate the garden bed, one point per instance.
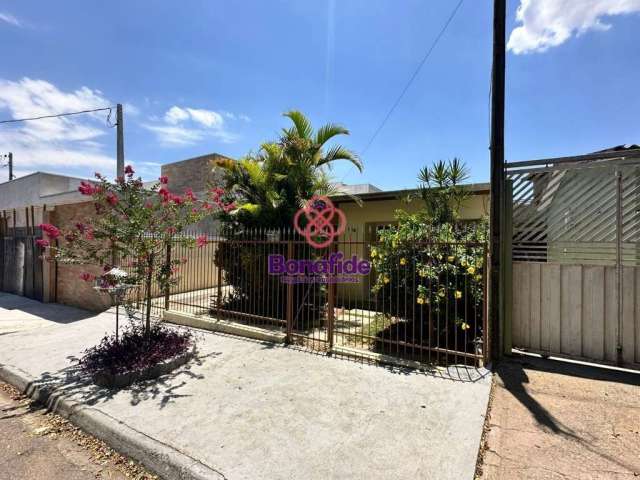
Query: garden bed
point(137, 355)
point(124, 379)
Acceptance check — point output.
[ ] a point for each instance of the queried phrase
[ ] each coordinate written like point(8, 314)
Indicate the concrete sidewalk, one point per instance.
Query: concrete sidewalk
point(251, 410)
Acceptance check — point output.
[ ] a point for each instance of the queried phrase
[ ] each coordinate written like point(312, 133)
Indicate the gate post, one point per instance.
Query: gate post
point(289, 317)
point(619, 272)
point(218, 283)
point(331, 304)
point(167, 289)
point(507, 269)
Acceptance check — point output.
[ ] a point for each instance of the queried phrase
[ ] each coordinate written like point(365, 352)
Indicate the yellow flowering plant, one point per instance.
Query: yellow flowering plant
point(430, 265)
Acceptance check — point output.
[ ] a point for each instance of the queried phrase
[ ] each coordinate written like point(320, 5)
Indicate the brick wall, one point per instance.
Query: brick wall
point(200, 175)
point(69, 288)
point(196, 173)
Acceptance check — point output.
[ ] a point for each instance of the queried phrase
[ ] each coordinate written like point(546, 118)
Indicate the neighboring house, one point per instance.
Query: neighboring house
point(567, 213)
point(37, 190)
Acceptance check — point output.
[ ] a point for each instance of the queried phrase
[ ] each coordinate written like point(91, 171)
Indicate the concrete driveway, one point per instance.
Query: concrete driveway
point(258, 411)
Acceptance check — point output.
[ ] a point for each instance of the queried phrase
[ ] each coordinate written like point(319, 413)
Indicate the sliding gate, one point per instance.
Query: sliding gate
point(575, 251)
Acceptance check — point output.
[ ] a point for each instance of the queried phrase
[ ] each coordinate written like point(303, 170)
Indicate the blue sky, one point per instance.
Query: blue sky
point(214, 76)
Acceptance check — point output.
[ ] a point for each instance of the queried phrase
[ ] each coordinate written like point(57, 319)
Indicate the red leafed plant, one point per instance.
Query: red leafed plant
point(135, 223)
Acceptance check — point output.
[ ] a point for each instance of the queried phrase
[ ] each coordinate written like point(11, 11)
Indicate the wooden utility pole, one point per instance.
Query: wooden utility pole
point(119, 142)
point(496, 298)
point(10, 166)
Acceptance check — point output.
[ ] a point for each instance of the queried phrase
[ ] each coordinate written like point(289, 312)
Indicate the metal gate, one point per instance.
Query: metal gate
point(21, 262)
point(575, 256)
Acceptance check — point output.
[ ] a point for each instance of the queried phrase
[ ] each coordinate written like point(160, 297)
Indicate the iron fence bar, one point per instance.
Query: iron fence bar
point(619, 272)
point(167, 293)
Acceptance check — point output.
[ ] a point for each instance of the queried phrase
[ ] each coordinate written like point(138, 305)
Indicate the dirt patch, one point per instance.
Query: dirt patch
point(42, 445)
point(558, 420)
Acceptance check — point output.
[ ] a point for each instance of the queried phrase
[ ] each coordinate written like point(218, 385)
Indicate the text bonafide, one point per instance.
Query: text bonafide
point(334, 264)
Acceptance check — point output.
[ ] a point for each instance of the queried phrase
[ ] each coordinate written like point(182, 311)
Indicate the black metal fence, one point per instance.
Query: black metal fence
point(428, 307)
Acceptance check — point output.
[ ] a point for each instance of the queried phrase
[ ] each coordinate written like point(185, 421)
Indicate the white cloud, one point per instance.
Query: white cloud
point(10, 19)
point(182, 126)
point(130, 110)
point(175, 115)
point(549, 23)
point(175, 135)
point(72, 145)
point(208, 118)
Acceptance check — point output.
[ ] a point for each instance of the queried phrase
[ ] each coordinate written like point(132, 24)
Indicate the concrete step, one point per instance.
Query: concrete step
point(224, 326)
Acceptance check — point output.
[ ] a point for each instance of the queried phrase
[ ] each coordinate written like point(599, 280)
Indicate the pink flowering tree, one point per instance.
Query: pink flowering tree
point(131, 229)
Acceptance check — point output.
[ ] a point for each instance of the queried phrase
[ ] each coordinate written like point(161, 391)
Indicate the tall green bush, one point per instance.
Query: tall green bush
point(429, 267)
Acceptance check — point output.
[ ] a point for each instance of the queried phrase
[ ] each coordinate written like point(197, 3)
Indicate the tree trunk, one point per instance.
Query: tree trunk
point(147, 325)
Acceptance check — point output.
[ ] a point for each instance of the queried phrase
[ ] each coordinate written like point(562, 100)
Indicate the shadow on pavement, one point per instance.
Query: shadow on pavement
point(514, 377)
point(47, 311)
point(72, 384)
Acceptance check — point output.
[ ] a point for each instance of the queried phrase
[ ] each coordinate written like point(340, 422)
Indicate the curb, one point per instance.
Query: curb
point(224, 326)
point(158, 457)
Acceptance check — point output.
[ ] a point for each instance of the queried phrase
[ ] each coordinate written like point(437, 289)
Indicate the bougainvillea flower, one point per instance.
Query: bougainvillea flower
point(201, 241)
point(164, 179)
point(188, 195)
point(42, 242)
point(128, 170)
point(112, 198)
point(50, 230)
point(228, 207)
point(86, 188)
point(164, 192)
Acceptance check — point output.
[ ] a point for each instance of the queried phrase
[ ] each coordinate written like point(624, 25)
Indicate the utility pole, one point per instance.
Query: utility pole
point(9, 157)
point(496, 282)
point(119, 142)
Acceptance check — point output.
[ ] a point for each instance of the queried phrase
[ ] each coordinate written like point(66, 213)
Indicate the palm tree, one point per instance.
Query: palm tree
point(284, 174)
point(442, 190)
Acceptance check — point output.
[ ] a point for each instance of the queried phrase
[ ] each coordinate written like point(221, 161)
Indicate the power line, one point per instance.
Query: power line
point(14, 120)
point(434, 44)
point(415, 73)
